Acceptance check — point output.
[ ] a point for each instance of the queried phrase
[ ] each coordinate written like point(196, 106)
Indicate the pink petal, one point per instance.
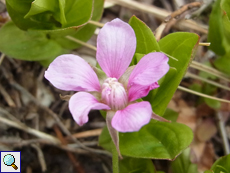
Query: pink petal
point(81, 103)
point(116, 45)
point(145, 75)
point(71, 72)
point(133, 117)
point(139, 91)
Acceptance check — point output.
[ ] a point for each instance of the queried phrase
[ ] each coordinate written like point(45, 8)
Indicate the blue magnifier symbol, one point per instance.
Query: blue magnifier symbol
point(9, 160)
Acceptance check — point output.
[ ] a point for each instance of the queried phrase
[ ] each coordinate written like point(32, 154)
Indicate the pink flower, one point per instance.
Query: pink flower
point(117, 92)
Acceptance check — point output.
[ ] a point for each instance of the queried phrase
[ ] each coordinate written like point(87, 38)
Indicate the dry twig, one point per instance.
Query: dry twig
point(2, 58)
point(40, 156)
point(71, 156)
point(223, 132)
point(166, 22)
point(89, 133)
point(29, 130)
point(160, 14)
point(182, 10)
point(202, 95)
point(7, 97)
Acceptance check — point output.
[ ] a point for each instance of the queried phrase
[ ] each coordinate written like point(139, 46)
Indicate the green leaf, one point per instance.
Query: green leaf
point(41, 6)
point(210, 90)
point(222, 164)
point(77, 12)
point(216, 32)
point(146, 41)
point(219, 34)
point(208, 171)
point(31, 45)
point(171, 115)
point(156, 140)
point(226, 26)
point(85, 32)
point(181, 46)
point(182, 164)
point(215, 104)
point(223, 63)
point(136, 165)
point(225, 5)
point(49, 15)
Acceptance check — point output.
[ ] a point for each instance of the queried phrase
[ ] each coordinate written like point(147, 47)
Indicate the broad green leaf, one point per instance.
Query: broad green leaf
point(85, 32)
point(219, 34)
point(210, 90)
point(208, 171)
point(182, 163)
point(216, 31)
point(146, 41)
point(215, 104)
point(18, 9)
point(137, 57)
point(226, 26)
point(31, 45)
point(181, 46)
point(136, 165)
point(49, 15)
point(222, 165)
point(171, 115)
point(225, 5)
point(156, 140)
point(77, 12)
point(223, 63)
point(56, 7)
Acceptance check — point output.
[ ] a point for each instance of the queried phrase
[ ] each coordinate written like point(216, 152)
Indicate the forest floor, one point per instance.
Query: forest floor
point(34, 119)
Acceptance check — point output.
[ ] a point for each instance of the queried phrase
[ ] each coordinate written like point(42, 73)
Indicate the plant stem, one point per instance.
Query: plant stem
point(115, 159)
point(159, 14)
point(2, 58)
point(194, 76)
point(81, 42)
point(98, 24)
point(209, 70)
point(204, 44)
point(202, 95)
point(223, 133)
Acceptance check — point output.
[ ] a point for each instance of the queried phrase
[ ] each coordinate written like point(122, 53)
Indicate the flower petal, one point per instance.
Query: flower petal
point(72, 73)
point(139, 91)
point(145, 75)
point(116, 45)
point(81, 103)
point(133, 117)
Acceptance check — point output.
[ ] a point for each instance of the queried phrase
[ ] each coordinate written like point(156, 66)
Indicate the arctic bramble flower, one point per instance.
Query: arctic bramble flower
point(118, 91)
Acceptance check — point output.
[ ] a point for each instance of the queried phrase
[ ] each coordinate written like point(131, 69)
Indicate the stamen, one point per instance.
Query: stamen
point(113, 94)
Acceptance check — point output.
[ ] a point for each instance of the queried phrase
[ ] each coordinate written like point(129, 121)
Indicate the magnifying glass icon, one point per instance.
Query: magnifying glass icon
point(9, 160)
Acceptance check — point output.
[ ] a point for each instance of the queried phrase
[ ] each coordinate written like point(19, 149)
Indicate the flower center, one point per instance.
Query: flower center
point(113, 94)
